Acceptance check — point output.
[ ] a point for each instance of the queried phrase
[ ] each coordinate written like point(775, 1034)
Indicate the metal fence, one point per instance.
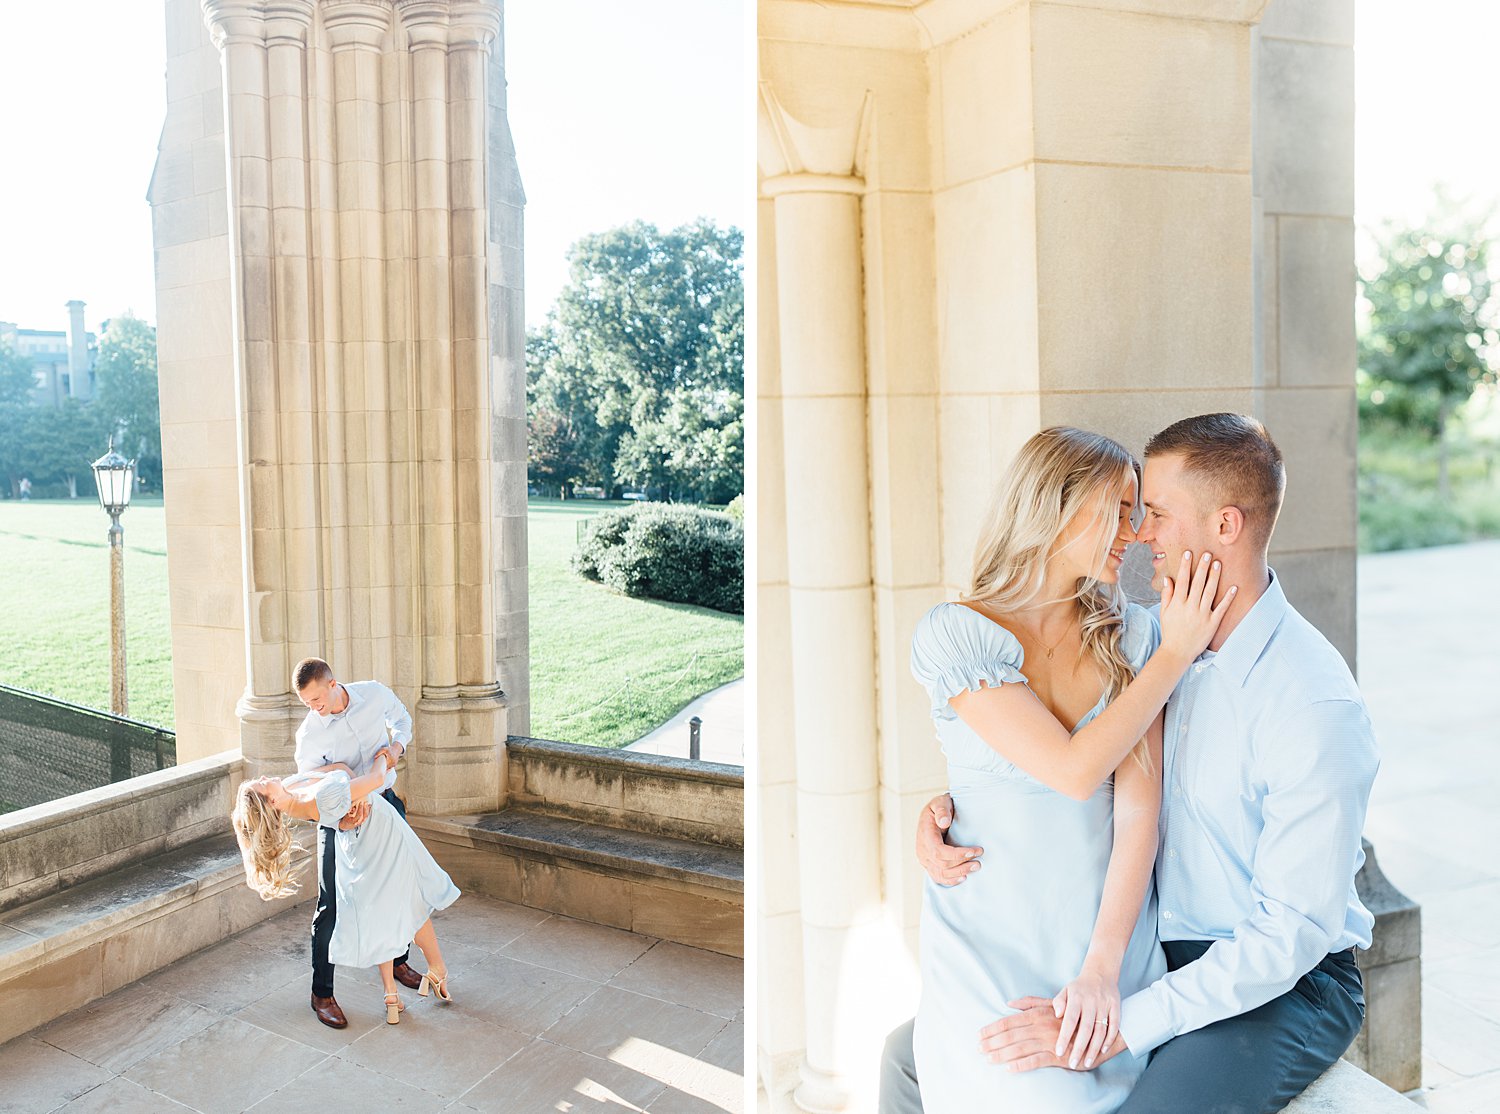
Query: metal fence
point(50, 749)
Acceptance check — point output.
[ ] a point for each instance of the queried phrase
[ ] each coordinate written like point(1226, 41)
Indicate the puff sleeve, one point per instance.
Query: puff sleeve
point(332, 798)
point(1141, 636)
point(956, 649)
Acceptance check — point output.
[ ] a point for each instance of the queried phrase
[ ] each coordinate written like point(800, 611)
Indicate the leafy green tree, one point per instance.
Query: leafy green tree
point(1431, 339)
point(641, 364)
point(59, 444)
point(128, 400)
point(16, 382)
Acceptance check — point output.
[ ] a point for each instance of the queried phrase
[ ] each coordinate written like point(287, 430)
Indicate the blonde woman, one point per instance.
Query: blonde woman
point(388, 884)
point(1046, 690)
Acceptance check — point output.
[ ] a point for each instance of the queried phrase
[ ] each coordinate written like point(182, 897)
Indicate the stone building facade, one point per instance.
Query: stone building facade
point(337, 217)
point(62, 361)
point(978, 218)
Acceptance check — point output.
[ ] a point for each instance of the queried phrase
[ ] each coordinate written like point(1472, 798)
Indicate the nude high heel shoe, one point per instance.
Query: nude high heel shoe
point(393, 1009)
point(438, 984)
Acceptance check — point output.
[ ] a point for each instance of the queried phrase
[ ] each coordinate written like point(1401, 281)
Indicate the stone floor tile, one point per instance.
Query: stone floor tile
point(611, 1018)
point(543, 1078)
point(689, 977)
point(1456, 1037)
point(132, 1023)
point(337, 1084)
point(485, 923)
point(288, 935)
point(36, 1076)
point(1480, 1095)
point(228, 976)
point(1472, 913)
point(226, 1067)
point(438, 1047)
point(591, 951)
point(287, 1011)
point(121, 1096)
point(519, 996)
point(712, 1081)
point(1473, 979)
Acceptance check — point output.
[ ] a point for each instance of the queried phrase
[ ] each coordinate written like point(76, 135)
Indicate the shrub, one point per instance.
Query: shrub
point(736, 508)
point(667, 552)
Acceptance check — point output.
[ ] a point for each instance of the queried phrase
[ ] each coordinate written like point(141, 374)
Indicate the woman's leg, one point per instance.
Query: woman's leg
point(388, 976)
point(426, 939)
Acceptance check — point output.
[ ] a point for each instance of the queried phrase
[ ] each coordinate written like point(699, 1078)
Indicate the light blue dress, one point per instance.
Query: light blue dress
point(1021, 924)
point(387, 883)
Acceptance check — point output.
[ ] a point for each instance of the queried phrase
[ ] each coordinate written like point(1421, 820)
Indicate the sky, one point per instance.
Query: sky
point(620, 111)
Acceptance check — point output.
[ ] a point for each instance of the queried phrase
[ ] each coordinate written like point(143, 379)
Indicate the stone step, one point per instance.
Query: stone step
point(1345, 1089)
point(63, 950)
point(675, 889)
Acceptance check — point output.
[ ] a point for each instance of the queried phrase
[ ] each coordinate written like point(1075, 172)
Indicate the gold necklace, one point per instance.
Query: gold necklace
point(1055, 645)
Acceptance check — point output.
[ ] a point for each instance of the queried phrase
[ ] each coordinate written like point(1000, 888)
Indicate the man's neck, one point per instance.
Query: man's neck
point(1252, 580)
point(343, 700)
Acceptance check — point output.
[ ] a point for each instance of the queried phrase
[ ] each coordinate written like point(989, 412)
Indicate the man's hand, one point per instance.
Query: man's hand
point(945, 865)
point(355, 816)
point(392, 752)
point(1028, 1040)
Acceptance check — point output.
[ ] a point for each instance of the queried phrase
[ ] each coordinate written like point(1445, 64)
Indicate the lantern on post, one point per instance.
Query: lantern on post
point(115, 478)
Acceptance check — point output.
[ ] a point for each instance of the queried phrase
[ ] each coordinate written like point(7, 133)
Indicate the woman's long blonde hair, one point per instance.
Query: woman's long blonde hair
point(266, 844)
point(1059, 473)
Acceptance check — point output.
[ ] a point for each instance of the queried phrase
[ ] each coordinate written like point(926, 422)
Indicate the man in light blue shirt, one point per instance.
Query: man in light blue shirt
point(349, 724)
point(1269, 759)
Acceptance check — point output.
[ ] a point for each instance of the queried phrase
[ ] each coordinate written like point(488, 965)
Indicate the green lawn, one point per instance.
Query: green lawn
point(605, 669)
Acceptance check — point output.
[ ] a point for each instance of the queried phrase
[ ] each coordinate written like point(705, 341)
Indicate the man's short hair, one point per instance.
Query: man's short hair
point(1235, 459)
point(309, 670)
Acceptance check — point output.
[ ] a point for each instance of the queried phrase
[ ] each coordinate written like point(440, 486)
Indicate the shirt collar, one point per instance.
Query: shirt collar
point(1245, 644)
point(354, 698)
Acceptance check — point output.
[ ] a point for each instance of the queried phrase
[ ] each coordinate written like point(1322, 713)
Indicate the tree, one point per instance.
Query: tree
point(638, 376)
point(16, 382)
point(60, 442)
point(128, 400)
point(1432, 337)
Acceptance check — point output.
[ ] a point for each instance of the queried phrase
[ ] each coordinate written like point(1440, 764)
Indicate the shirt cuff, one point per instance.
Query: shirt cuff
point(1144, 1023)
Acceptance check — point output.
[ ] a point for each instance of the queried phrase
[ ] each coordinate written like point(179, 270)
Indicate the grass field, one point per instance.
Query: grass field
point(1399, 506)
point(605, 669)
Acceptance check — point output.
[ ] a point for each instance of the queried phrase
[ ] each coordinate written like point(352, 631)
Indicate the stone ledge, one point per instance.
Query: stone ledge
point(1344, 1089)
point(614, 849)
point(703, 802)
point(690, 893)
point(52, 847)
point(66, 949)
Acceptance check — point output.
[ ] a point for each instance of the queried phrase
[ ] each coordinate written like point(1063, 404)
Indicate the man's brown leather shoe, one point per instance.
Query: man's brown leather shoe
point(328, 1012)
point(406, 976)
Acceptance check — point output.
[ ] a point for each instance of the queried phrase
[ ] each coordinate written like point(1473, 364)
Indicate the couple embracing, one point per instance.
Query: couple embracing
point(377, 885)
point(1168, 810)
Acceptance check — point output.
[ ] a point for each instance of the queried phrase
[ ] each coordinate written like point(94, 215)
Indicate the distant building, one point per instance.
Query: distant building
point(62, 361)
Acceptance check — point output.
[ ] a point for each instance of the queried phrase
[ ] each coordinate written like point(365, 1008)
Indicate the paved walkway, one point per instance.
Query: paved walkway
point(723, 733)
point(549, 1014)
point(1429, 666)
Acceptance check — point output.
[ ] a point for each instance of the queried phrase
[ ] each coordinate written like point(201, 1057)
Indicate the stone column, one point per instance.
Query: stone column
point(820, 316)
point(267, 711)
point(460, 715)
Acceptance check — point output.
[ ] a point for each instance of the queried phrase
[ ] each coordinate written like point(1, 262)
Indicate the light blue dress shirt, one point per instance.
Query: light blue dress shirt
point(1269, 759)
point(374, 717)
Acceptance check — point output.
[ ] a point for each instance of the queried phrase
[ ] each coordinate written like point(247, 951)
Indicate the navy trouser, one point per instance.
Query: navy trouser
point(1254, 1063)
point(327, 911)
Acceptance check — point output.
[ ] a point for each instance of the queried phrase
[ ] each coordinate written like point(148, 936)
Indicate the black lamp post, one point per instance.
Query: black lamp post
point(115, 477)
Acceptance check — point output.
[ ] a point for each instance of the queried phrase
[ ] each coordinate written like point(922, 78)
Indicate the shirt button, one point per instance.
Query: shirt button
point(1197, 669)
point(1166, 914)
point(1171, 854)
point(1176, 791)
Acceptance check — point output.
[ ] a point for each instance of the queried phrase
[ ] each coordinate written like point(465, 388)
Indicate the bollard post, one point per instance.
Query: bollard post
point(695, 737)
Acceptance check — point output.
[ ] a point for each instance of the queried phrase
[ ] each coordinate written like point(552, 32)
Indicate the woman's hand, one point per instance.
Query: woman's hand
point(1189, 618)
point(1090, 1010)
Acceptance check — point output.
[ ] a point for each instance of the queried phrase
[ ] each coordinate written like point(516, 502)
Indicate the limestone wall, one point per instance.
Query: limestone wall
point(977, 219)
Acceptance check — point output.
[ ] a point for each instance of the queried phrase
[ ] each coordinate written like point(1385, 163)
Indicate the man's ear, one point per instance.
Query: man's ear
point(1229, 525)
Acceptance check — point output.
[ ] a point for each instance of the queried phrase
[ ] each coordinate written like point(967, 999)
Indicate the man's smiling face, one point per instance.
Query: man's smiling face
point(1176, 518)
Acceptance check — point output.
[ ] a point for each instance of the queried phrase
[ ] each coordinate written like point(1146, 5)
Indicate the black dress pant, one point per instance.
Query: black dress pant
point(327, 911)
point(1254, 1063)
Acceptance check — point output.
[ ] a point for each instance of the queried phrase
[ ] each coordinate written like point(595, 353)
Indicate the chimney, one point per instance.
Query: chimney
point(78, 353)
